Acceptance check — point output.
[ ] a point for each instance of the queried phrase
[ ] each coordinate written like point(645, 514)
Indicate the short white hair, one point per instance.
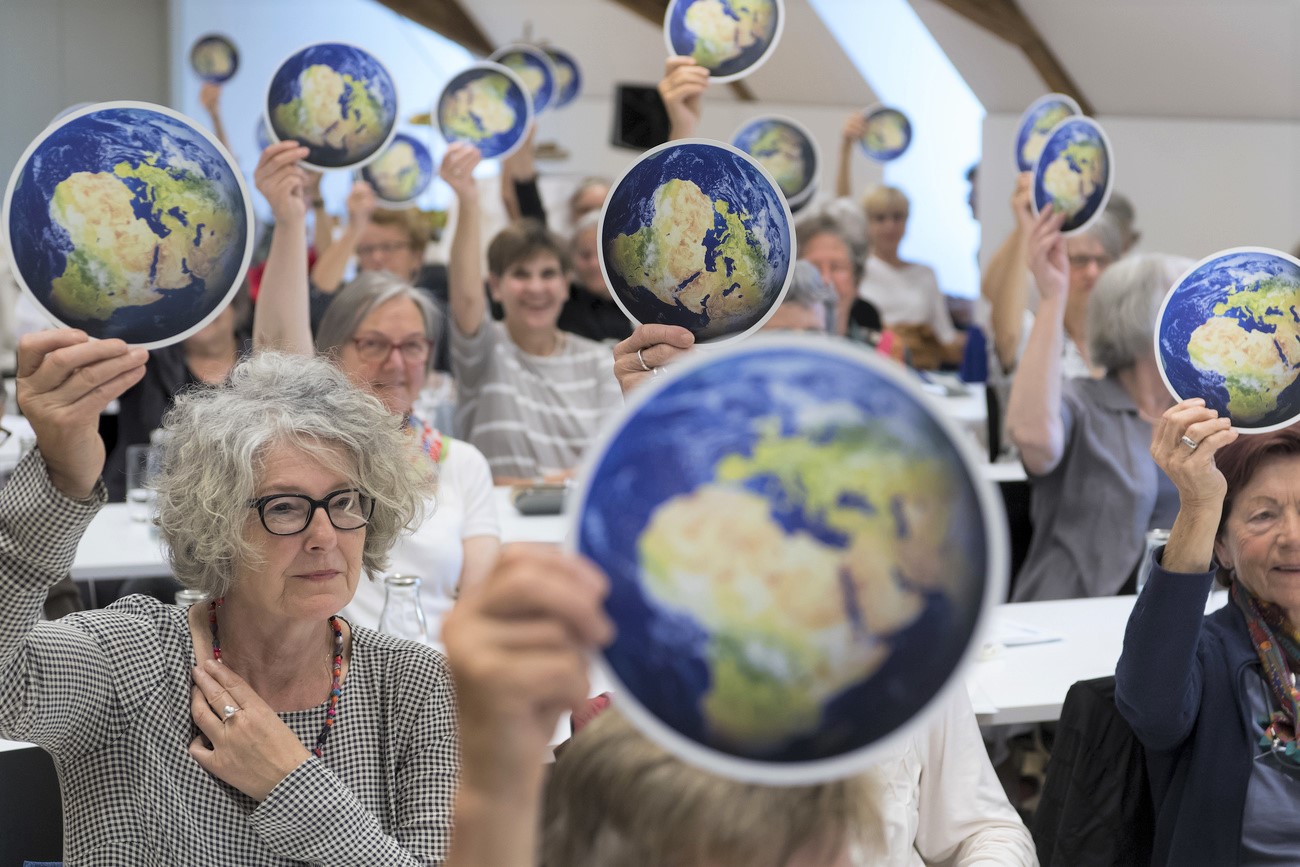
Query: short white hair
point(1123, 307)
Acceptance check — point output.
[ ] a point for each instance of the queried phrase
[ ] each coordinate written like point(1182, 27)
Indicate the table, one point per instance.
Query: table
point(1027, 684)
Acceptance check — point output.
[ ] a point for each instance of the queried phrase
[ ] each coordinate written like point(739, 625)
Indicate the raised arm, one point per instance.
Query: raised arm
point(855, 125)
point(282, 316)
point(682, 90)
point(1004, 283)
point(1158, 679)
point(518, 645)
point(465, 268)
point(210, 96)
point(332, 262)
point(1034, 421)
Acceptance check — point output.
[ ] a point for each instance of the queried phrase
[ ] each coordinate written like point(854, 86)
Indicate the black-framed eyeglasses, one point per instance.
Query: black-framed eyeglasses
point(379, 348)
point(288, 514)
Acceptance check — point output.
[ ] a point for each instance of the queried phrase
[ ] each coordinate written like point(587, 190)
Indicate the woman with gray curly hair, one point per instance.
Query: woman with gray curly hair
point(1085, 443)
point(258, 727)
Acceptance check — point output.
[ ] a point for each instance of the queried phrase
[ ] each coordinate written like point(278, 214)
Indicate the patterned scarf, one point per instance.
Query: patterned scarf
point(431, 439)
point(1278, 645)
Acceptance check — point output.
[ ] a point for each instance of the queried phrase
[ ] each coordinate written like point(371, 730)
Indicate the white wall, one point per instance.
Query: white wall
point(55, 53)
point(1198, 186)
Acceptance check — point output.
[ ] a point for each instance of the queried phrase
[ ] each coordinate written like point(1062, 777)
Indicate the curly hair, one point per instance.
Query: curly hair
point(217, 441)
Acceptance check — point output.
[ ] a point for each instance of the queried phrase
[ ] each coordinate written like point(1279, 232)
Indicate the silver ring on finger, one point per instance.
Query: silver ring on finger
point(228, 711)
point(647, 368)
point(1189, 442)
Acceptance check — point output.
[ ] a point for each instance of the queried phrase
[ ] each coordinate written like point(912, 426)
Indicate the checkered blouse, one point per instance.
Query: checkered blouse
point(107, 693)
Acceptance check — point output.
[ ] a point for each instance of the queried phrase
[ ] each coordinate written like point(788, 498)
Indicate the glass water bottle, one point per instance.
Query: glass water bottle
point(403, 615)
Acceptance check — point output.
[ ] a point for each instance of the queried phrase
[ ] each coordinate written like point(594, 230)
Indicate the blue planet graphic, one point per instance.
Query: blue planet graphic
point(787, 150)
point(798, 551)
point(337, 100)
point(1075, 172)
point(1229, 333)
point(128, 220)
point(1037, 122)
point(535, 70)
point(214, 58)
point(695, 234)
point(487, 106)
point(568, 77)
point(888, 134)
point(402, 172)
point(730, 37)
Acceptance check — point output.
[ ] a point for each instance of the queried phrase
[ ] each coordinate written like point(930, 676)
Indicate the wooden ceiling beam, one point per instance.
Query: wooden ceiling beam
point(654, 11)
point(1007, 21)
point(448, 18)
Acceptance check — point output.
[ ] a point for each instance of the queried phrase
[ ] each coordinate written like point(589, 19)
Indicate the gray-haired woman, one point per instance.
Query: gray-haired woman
point(380, 331)
point(1085, 443)
point(258, 728)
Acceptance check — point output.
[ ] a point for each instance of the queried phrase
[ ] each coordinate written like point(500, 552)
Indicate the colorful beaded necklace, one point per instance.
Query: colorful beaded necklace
point(335, 689)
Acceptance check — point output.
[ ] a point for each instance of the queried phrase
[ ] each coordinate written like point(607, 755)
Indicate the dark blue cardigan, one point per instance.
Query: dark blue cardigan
point(1179, 683)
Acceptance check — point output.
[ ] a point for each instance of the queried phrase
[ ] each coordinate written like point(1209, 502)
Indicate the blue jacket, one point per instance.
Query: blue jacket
point(1180, 683)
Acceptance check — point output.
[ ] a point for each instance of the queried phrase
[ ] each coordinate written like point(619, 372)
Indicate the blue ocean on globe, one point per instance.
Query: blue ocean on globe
point(537, 75)
point(402, 172)
point(349, 113)
point(787, 153)
point(888, 134)
point(1073, 173)
point(695, 235)
point(486, 107)
point(570, 77)
point(732, 36)
point(1037, 121)
point(777, 512)
point(127, 222)
point(1229, 333)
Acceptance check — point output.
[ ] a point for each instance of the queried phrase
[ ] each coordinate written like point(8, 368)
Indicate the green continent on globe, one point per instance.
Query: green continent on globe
point(395, 172)
point(794, 619)
point(119, 260)
point(1256, 365)
point(334, 110)
point(479, 110)
point(685, 260)
point(1073, 176)
point(725, 28)
point(780, 151)
point(1033, 147)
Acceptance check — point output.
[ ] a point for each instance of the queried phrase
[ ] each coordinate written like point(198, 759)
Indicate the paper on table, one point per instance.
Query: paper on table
point(1009, 633)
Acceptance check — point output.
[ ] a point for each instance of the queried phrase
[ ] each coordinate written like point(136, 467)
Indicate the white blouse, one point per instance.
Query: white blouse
point(462, 508)
point(908, 295)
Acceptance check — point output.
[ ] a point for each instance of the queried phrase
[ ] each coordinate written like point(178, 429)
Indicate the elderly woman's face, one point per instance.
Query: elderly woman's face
point(1261, 538)
point(396, 375)
point(586, 263)
point(384, 247)
point(834, 261)
point(309, 575)
point(1088, 259)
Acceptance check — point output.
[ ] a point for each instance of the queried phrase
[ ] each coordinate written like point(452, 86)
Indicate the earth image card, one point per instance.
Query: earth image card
point(1038, 120)
point(401, 173)
point(730, 37)
point(1229, 332)
point(214, 58)
point(888, 133)
point(535, 69)
point(787, 150)
point(1075, 173)
point(337, 100)
point(801, 553)
point(128, 220)
point(488, 106)
point(568, 76)
point(696, 233)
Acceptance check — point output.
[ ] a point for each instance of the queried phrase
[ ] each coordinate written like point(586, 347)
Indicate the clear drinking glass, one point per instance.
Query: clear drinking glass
point(139, 473)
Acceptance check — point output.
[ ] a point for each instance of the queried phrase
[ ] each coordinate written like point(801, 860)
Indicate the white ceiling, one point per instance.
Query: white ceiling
point(1229, 59)
point(615, 45)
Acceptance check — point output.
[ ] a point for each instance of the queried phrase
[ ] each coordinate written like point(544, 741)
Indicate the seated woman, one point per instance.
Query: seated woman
point(1212, 697)
point(1085, 443)
point(906, 293)
point(590, 310)
point(824, 243)
point(532, 397)
point(380, 331)
point(296, 738)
